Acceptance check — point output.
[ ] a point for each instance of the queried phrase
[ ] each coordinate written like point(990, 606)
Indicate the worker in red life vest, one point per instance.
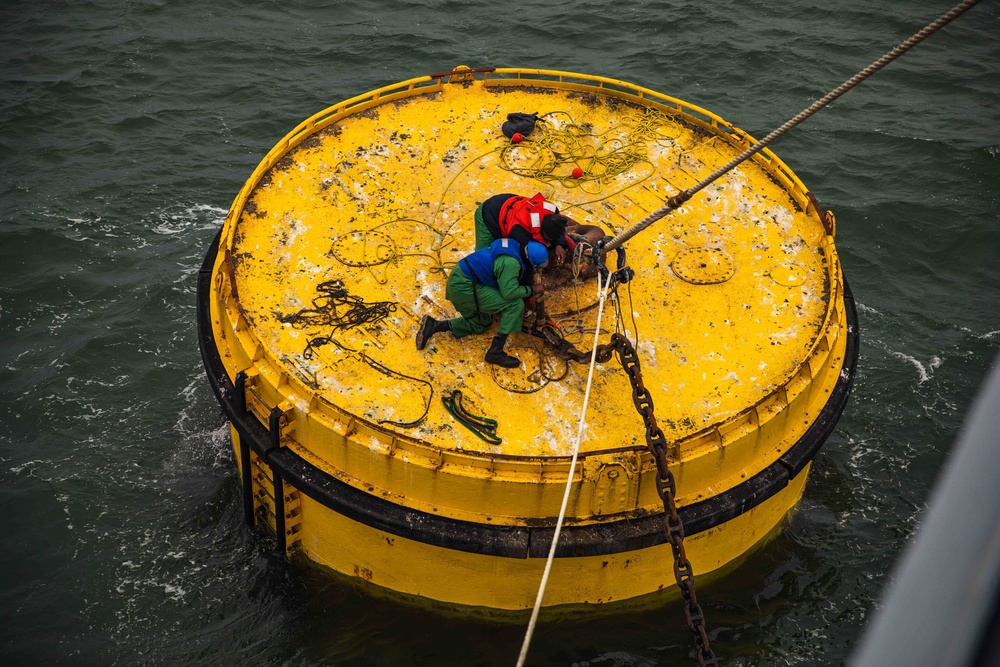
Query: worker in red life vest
point(523, 219)
point(488, 282)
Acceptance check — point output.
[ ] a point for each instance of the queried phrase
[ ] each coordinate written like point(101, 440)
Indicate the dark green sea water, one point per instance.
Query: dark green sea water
point(126, 129)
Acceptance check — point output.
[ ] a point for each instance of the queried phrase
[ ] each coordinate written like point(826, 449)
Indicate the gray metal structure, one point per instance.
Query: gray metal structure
point(941, 607)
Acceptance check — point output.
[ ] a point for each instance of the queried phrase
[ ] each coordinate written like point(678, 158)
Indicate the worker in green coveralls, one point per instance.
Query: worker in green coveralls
point(485, 283)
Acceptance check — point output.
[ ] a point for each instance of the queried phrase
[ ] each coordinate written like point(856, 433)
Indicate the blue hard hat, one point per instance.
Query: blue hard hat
point(538, 254)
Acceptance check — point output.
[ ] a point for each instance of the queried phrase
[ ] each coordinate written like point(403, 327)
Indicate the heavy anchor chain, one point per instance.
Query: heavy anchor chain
point(666, 487)
point(564, 349)
point(667, 490)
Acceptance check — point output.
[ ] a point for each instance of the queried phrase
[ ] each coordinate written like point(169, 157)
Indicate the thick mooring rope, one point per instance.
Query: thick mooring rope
point(677, 200)
point(602, 293)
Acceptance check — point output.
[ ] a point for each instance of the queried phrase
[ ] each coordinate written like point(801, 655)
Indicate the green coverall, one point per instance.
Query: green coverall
point(507, 300)
point(483, 235)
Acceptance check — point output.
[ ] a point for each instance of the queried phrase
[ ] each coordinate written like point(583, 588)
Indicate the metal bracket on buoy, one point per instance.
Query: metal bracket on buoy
point(462, 73)
point(622, 273)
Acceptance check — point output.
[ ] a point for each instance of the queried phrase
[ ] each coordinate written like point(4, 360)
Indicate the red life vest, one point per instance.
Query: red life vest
point(526, 212)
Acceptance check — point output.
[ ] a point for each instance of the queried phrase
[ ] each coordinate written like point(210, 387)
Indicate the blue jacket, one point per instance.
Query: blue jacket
point(479, 265)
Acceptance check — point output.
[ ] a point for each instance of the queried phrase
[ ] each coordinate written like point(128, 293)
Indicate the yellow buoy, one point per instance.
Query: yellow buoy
point(342, 239)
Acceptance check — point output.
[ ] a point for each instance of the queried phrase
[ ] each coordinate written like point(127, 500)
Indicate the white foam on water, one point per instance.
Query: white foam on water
point(17, 470)
point(989, 335)
point(866, 309)
point(195, 216)
point(922, 374)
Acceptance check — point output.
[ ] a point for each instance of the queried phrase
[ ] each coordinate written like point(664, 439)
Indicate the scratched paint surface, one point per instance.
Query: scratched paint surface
point(730, 291)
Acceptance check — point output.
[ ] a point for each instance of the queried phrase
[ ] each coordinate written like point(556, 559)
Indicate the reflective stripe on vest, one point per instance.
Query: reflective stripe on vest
point(526, 212)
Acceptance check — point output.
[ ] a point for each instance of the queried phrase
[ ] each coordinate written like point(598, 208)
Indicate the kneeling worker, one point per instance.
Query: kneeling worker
point(485, 283)
point(523, 219)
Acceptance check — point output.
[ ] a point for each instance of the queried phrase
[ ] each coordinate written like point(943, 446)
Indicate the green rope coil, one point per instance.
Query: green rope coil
point(484, 427)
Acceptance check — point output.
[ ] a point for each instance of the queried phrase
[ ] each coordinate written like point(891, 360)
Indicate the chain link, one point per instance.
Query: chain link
point(666, 487)
point(564, 349)
point(667, 490)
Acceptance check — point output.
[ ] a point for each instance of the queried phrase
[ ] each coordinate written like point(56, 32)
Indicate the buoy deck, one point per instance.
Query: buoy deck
point(731, 292)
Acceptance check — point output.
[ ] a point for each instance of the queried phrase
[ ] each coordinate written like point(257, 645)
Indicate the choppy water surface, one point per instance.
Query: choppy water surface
point(127, 129)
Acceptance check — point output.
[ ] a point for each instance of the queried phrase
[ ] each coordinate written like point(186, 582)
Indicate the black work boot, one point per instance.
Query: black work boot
point(428, 327)
point(496, 355)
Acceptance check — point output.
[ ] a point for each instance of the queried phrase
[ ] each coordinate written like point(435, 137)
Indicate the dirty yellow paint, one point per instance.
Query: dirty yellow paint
point(737, 301)
point(457, 577)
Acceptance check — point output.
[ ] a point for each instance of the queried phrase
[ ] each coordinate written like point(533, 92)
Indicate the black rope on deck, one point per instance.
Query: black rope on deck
point(336, 308)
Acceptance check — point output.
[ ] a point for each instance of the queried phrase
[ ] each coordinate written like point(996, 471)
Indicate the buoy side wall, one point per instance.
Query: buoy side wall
point(457, 577)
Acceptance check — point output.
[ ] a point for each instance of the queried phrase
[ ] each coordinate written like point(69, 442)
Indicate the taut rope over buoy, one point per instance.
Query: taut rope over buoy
point(678, 200)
